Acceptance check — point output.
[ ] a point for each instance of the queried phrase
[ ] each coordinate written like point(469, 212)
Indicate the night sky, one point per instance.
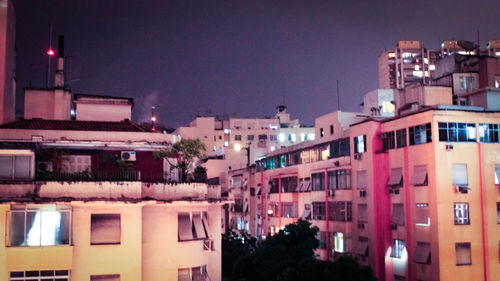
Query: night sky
point(234, 58)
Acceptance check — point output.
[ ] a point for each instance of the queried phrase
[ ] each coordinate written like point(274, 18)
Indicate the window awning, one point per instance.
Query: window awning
point(419, 175)
point(396, 178)
point(422, 252)
point(460, 175)
point(398, 214)
point(199, 228)
point(299, 186)
point(307, 185)
point(306, 214)
point(361, 248)
point(185, 227)
point(361, 177)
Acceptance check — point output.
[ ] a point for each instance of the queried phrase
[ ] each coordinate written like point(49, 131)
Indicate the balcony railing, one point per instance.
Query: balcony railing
point(99, 175)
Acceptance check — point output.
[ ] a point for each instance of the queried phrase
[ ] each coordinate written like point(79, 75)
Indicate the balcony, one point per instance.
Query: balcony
point(107, 190)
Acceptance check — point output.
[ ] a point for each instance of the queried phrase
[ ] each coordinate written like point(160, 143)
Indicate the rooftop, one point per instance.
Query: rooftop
point(72, 125)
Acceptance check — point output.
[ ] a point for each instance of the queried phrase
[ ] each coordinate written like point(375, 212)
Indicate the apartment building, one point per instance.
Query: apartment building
point(407, 64)
point(238, 142)
point(88, 200)
point(416, 196)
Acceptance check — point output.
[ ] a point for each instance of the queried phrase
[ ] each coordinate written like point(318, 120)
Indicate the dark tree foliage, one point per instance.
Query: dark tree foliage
point(289, 256)
point(233, 247)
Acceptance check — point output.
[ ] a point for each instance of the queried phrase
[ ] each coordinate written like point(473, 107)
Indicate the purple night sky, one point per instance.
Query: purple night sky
point(235, 57)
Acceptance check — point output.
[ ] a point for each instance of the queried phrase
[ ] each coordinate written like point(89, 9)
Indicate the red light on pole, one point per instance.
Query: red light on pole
point(50, 52)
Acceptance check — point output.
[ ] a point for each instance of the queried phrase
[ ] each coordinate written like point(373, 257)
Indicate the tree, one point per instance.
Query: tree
point(233, 247)
point(289, 255)
point(185, 152)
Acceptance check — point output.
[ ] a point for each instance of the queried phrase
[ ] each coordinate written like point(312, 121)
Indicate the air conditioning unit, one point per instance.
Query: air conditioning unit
point(128, 156)
point(357, 156)
point(462, 189)
point(44, 166)
point(208, 245)
point(331, 193)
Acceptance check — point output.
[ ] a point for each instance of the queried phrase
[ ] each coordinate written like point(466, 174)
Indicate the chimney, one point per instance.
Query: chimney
point(59, 78)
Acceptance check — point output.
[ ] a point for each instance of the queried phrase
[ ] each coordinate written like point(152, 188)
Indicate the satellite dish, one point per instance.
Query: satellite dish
point(467, 45)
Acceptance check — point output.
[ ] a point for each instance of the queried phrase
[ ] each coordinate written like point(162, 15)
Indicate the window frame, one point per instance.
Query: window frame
point(462, 218)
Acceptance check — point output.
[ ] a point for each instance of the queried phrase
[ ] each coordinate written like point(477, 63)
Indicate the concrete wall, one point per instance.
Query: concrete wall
point(103, 112)
point(49, 104)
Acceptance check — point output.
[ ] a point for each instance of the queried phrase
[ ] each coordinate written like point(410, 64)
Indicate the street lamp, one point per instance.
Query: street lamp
point(238, 148)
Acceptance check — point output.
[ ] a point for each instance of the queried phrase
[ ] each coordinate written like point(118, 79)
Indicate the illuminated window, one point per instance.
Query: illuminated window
point(310, 137)
point(420, 134)
point(340, 210)
point(105, 277)
point(226, 143)
point(39, 225)
point(39, 275)
point(293, 137)
point(227, 131)
point(360, 144)
point(462, 251)
point(387, 140)
point(281, 137)
point(466, 82)
point(388, 107)
point(319, 210)
point(423, 253)
point(105, 229)
point(461, 213)
point(193, 226)
point(457, 132)
point(302, 137)
point(398, 247)
point(488, 133)
point(422, 214)
point(318, 181)
point(339, 242)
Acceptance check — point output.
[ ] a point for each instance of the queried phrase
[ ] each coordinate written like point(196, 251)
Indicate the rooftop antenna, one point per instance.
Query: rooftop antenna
point(338, 96)
point(50, 53)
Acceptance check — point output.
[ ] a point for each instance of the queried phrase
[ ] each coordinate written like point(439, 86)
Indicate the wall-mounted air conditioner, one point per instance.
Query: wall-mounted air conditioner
point(44, 166)
point(128, 156)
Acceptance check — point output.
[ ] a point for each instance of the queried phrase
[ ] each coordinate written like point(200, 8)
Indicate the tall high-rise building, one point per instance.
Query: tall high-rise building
point(407, 64)
point(7, 61)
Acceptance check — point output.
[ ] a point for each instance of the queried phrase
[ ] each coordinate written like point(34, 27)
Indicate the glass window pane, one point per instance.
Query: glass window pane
point(6, 167)
point(16, 229)
point(22, 167)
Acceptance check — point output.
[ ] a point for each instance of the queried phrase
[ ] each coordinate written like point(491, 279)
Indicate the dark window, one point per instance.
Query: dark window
point(321, 132)
point(262, 137)
point(460, 132)
point(318, 181)
point(398, 247)
point(237, 137)
point(420, 134)
point(462, 251)
point(339, 148)
point(498, 212)
point(105, 229)
point(340, 210)
point(319, 210)
point(401, 138)
point(250, 137)
point(387, 140)
point(331, 129)
point(488, 133)
point(339, 179)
